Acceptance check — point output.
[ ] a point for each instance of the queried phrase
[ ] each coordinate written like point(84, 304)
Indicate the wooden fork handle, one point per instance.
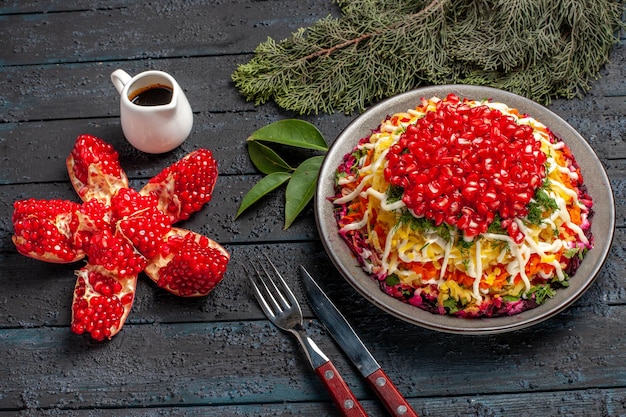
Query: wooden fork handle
point(343, 397)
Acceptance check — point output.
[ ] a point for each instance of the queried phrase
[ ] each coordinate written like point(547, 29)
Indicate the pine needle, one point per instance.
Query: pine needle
point(540, 49)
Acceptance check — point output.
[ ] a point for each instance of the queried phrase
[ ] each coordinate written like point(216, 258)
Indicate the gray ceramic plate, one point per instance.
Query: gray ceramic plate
point(592, 170)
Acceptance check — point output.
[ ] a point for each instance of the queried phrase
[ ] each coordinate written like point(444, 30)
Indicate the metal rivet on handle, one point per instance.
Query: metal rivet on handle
point(402, 409)
point(380, 381)
point(348, 404)
point(329, 374)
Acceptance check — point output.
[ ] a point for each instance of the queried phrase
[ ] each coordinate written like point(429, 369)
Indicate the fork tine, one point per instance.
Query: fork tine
point(280, 304)
point(261, 299)
point(291, 300)
point(275, 297)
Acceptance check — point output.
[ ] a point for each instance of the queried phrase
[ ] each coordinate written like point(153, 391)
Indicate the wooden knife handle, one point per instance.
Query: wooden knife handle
point(389, 395)
point(343, 397)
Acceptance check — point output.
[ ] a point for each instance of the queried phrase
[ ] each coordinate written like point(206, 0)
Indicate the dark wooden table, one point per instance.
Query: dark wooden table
point(218, 355)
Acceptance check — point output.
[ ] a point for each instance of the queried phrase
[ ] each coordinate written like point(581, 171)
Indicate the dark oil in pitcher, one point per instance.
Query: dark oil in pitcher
point(153, 95)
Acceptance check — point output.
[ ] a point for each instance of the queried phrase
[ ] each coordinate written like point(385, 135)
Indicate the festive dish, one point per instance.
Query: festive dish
point(488, 254)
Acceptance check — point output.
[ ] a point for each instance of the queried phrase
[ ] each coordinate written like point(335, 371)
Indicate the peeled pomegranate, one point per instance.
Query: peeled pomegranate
point(123, 232)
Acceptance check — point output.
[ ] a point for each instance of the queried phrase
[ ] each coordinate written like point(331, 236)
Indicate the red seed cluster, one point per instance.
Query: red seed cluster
point(464, 165)
point(195, 269)
point(90, 150)
point(44, 229)
point(99, 308)
point(115, 254)
point(128, 201)
point(93, 216)
point(190, 182)
point(145, 229)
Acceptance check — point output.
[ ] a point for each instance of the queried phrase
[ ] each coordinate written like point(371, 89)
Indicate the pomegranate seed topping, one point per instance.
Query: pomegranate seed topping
point(473, 158)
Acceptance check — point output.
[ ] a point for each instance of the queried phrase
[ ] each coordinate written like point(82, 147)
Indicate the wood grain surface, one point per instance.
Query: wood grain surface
point(218, 355)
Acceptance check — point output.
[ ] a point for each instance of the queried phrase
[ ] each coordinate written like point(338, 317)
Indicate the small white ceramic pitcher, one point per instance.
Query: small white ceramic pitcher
point(155, 114)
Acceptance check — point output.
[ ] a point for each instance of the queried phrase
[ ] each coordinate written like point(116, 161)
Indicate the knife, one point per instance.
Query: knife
point(348, 340)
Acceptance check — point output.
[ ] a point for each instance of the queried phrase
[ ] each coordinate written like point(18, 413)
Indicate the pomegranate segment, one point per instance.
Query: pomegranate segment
point(94, 169)
point(190, 265)
point(102, 301)
point(185, 186)
point(44, 230)
point(140, 221)
point(93, 217)
point(145, 229)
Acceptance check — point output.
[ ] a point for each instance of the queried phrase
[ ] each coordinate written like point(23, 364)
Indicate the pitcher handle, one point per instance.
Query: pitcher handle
point(120, 78)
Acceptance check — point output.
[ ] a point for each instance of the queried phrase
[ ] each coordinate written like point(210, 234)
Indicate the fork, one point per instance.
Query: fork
point(282, 308)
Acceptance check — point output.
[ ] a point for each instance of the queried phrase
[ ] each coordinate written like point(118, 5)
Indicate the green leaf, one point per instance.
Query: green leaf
point(266, 160)
point(301, 188)
point(291, 132)
point(266, 185)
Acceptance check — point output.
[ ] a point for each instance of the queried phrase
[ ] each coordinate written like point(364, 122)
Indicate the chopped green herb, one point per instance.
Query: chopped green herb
point(541, 292)
point(394, 193)
point(425, 225)
point(500, 245)
point(392, 280)
point(495, 226)
point(580, 252)
point(465, 263)
point(451, 305)
point(571, 252)
point(541, 206)
point(464, 246)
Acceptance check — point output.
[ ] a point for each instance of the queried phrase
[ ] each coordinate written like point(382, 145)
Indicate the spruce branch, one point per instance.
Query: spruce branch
point(541, 49)
point(429, 8)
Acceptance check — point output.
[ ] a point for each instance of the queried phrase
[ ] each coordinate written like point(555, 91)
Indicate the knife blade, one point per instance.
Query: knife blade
point(354, 348)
